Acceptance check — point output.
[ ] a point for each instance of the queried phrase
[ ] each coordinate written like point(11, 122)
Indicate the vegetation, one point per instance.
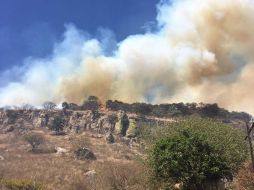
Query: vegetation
point(35, 140)
point(92, 103)
point(246, 177)
point(124, 121)
point(49, 105)
point(188, 159)
point(15, 184)
point(196, 149)
point(57, 124)
point(176, 110)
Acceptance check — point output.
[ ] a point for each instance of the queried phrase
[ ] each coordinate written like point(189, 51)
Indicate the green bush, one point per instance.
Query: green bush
point(226, 141)
point(124, 121)
point(188, 159)
point(15, 184)
point(57, 124)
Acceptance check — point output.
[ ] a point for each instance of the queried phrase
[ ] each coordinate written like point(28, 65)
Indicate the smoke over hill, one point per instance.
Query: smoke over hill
point(202, 50)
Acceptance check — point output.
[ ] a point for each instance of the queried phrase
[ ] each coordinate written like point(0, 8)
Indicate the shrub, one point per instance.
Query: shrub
point(57, 124)
point(188, 159)
point(227, 140)
point(124, 124)
point(34, 140)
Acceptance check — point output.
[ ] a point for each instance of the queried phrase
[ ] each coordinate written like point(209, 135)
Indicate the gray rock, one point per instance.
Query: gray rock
point(91, 174)
point(61, 151)
point(1, 158)
point(8, 129)
point(84, 154)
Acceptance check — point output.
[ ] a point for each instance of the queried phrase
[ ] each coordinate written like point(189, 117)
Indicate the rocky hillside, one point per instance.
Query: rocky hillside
point(86, 148)
point(106, 120)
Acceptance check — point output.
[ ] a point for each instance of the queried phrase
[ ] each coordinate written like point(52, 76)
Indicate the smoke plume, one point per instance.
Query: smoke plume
point(202, 50)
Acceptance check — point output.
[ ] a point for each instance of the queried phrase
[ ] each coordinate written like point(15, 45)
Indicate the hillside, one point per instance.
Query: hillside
point(114, 151)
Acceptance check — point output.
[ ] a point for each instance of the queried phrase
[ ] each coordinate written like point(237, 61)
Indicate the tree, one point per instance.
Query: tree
point(57, 124)
point(65, 106)
point(92, 103)
point(210, 110)
point(49, 105)
point(93, 99)
point(27, 107)
point(73, 106)
point(34, 140)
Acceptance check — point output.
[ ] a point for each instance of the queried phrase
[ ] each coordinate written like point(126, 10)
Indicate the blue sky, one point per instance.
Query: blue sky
point(29, 28)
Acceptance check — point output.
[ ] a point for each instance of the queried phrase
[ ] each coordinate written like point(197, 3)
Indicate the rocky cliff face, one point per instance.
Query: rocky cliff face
point(101, 122)
point(74, 121)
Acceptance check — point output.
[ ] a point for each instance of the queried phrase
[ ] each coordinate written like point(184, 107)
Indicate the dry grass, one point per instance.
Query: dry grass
point(245, 179)
point(113, 170)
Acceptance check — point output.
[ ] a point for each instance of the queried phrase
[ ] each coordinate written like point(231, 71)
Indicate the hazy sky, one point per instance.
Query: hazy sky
point(29, 28)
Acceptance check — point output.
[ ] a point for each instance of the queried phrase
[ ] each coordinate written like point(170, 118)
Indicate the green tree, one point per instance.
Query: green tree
point(92, 103)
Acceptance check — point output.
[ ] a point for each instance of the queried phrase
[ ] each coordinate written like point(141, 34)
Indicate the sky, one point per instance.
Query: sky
point(30, 28)
point(156, 51)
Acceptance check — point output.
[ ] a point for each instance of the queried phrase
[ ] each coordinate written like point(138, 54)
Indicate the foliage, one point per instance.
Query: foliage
point(49, 105)
point(93, 99)
point(70, 106)
point(189, 159)
point(228, 141)
point(57, 124)
point(92, 103)
point(176, 110)
point(15, 184)
point(65, 106)
point(210, 110)
point(124, 121)
point(34, 140)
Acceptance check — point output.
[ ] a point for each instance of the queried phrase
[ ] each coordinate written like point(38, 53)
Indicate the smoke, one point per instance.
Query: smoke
point(202, 50)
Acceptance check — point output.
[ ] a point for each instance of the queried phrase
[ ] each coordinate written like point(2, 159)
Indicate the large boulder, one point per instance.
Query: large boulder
point(84, 154)
point(132, 130)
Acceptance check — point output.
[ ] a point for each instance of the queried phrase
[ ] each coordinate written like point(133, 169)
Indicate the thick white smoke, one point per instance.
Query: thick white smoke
point(202, 51)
